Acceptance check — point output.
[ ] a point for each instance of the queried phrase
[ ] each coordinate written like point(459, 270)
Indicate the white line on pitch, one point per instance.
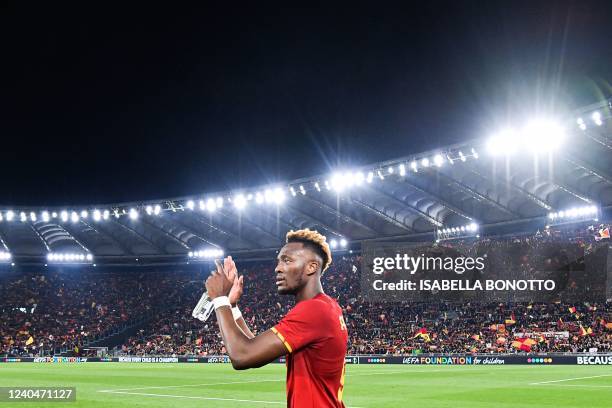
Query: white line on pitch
point(196, 397)
point(191, 385)
point(261, 381)
point(570, 379)
point(203, 398)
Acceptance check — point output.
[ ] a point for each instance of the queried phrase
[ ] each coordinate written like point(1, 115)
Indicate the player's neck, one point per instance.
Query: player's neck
point(309, 291)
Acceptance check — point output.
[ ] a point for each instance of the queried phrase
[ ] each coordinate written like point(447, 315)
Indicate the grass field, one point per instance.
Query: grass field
point(207, 385)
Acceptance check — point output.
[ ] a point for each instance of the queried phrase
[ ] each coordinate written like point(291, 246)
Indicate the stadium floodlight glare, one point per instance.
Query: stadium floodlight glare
point(462, 156)
point(208, 253)
point(23, 217)
point(74, 217)
point(69, 257)
point(341, 181)
point(219, 202)
point(10, 215)
point(268, 196)
point(343, 243)
point(211, 205)
point(45, 216)
point(53, 214)
point(97, 215)
point(581, 124)
point(105, 214)
point(239, 201)
point(370, 177)
point(390, 170)
point(5, 256)
point(576, 213)
point(278, 196)
point(64, 216)
point(190, 204)
point(402, 170)
point(84, 214)
point(33, 216)
point(474, 153)
point(157, 209)
point(596, 116)
point(456, 232)
point(358, 178)
point(1, 217)
point(504, 142)
point(149, 210)
point(259, 198)
point(380, 175)
point(438, 160)
point(292, 190)
point(338, 182)
point(327, 185)
point(302, 190)
point(543, 135)
point(425, 162)
point(133, 214)
point(333, 243)
point(317, 186)
point(414, 166)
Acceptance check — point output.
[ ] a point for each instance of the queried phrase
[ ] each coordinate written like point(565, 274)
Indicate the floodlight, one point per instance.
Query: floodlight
point(438, 160)
point(239, 201)
point(133, 214)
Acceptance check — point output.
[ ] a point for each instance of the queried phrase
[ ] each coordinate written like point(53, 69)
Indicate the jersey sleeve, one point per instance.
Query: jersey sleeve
point(303, 325)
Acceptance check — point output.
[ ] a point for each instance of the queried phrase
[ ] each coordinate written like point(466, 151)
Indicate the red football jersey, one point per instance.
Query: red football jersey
point(315, 336)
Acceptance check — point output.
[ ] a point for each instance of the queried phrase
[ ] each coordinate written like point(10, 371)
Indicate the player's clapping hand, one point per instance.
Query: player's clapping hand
point(237, 282)
point(218, 284)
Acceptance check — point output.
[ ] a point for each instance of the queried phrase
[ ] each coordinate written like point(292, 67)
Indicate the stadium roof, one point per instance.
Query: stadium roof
point(489, 183)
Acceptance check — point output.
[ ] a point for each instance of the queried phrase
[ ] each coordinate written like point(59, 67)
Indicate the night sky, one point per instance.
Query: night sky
point(102, 105)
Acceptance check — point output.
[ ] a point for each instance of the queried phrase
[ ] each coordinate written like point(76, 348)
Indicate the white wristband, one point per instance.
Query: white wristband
point(236, 313)
point(221, 301)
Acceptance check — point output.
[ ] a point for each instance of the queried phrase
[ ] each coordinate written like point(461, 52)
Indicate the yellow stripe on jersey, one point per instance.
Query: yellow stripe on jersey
point(341, 388)
point(282, 338)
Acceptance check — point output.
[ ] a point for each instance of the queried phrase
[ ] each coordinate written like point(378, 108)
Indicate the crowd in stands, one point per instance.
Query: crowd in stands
point(58, 311)
point(42, 312)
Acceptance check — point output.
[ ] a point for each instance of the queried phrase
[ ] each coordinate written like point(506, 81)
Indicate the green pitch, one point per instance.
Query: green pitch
point(207, 385)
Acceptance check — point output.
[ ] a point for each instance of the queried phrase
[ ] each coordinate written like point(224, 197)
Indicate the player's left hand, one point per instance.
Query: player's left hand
point(217, 284)
point(231, 272)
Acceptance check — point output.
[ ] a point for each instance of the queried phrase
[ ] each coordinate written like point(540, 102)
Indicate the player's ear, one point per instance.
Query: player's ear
point(312, 267)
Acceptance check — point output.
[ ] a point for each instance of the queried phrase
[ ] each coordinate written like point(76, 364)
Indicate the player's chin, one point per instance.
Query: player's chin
point(283, 290)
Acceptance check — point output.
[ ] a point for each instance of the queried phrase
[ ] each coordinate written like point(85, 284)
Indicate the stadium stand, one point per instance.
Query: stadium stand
point(64, 311)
